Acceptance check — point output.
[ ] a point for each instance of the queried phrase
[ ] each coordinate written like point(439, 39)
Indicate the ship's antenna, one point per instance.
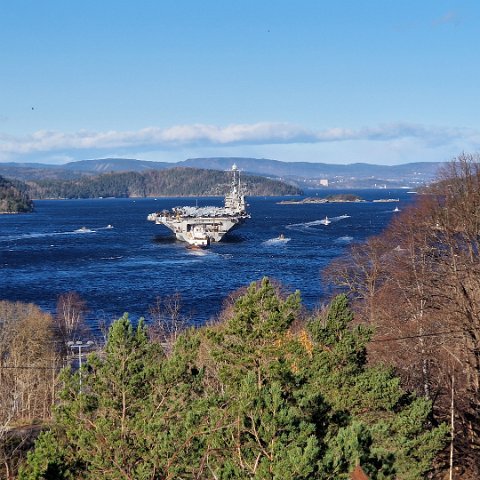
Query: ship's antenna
point(234, 176)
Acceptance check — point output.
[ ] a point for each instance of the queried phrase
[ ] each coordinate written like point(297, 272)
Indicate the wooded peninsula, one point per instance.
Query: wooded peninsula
point(14, 197)
point(180, 181)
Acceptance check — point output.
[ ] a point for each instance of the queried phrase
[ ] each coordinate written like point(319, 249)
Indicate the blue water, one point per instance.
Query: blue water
point(124, 268)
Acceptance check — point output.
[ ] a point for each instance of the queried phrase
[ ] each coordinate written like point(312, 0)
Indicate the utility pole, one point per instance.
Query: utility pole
point(452, 411)
point(79, 345)
point(452, 425)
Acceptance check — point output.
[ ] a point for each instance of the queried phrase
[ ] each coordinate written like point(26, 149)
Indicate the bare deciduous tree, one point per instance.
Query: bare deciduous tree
point(167, 319)
point(70, 315)
point(29, 365)
point(421, 291)
point(361, 273)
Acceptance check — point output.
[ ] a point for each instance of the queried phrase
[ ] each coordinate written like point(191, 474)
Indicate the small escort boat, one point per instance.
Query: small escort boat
point(83, 230)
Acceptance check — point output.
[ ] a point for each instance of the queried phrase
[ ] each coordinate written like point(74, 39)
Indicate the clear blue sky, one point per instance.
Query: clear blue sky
point(336, 81)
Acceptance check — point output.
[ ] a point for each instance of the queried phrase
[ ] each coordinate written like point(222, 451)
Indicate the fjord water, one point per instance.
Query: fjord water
point(124, 268)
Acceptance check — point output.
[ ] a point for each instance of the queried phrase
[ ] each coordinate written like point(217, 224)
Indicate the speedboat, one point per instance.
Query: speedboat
point(325, 221)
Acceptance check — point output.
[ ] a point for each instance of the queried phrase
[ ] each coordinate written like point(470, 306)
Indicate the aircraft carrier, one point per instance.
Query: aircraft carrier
point(200, 226)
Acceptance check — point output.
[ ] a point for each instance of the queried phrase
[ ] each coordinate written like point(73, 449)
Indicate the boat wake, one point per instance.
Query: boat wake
point(30, 236)
point(273, 242)
point(114, 257)
point(344, 239)
point(197, 252)
point(309, 227)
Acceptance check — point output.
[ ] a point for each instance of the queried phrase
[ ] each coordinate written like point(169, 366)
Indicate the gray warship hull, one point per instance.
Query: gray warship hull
point(201, 226)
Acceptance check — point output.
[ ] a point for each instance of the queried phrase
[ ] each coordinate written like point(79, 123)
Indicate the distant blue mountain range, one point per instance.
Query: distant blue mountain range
point(302, 173)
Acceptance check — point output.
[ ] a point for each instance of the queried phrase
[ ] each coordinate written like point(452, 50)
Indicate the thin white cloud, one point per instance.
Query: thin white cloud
point(450, 17)
point(199, 135)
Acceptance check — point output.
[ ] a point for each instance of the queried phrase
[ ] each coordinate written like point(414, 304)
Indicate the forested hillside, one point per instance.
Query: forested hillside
point(156, 183)
point(14, 197)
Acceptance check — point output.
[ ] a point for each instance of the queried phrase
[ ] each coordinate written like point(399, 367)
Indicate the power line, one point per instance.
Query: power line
point(421, 335)
point(27, 367)
point(373, 340)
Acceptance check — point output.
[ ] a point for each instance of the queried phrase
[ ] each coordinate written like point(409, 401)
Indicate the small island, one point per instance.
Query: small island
point(338, 198)
point(13, 197)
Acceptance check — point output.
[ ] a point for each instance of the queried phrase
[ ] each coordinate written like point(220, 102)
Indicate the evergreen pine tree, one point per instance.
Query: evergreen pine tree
point(96, 427)
point(367, 406)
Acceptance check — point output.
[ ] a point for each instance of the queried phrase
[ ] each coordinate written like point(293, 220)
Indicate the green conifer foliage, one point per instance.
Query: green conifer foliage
point(97, 427)
point(367, 404)
point(268, 430)
point(47, 461)
point(259, 396)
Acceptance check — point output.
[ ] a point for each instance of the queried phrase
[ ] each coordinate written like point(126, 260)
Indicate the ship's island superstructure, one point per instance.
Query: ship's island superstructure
point(200, 226)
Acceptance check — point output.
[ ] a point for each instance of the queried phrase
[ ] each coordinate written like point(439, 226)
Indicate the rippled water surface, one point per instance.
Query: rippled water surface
point(68, 245)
